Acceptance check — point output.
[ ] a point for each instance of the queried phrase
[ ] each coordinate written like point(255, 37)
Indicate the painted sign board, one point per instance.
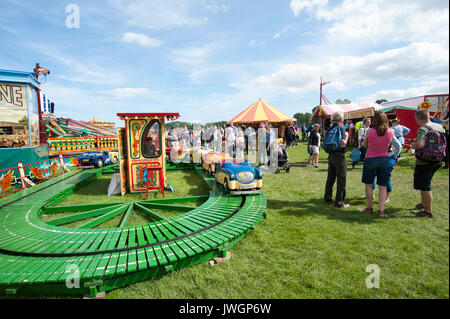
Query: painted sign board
point(369, 112)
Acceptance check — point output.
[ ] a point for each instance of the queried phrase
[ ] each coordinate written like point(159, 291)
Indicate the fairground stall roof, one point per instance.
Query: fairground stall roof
point(396, 107)
point(351, 111)
point(19, 76)
point(168, 116)
point(260, 111)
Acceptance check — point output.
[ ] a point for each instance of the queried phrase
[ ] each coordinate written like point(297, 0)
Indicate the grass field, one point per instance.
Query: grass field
point(308, 249)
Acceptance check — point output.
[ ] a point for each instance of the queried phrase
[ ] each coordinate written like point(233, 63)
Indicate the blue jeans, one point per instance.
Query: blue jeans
point(389, 186)
point(378, 167)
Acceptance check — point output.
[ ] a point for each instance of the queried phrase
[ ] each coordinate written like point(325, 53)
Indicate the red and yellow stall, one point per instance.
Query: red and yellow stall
point(142, 151)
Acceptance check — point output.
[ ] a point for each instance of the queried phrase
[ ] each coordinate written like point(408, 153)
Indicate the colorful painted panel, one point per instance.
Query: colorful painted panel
point(44, 171)
point(135, 129)
point(139, 177)
point(14, 129)
point(122, 148)
point(6, 180)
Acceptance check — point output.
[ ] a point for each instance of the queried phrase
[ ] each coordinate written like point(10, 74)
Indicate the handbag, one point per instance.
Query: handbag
point(355, 155)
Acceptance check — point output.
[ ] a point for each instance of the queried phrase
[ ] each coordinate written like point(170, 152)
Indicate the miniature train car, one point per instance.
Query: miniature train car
point(239, 179)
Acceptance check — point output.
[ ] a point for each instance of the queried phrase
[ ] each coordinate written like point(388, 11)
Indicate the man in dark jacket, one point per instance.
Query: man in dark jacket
point(337, 166)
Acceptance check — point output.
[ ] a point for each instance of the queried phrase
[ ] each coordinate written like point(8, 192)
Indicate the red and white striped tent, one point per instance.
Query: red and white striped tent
point(352, 110)
point(261, 111)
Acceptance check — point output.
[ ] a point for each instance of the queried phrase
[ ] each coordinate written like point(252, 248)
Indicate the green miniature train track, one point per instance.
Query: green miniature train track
point(39, 257)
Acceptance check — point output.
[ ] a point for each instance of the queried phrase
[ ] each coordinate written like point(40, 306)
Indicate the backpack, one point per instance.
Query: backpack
point(435, 146)
point(331, 143)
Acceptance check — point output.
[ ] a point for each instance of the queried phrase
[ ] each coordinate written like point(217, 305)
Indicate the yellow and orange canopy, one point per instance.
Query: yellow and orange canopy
point(260, 111)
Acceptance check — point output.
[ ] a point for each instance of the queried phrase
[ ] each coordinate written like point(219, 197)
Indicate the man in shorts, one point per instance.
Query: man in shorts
point(424, 171)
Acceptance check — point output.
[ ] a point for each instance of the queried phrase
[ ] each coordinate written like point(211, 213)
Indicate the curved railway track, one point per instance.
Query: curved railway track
point(42, 257)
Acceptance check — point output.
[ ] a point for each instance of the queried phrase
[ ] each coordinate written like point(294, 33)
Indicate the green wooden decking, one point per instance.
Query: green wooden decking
point(46, 257)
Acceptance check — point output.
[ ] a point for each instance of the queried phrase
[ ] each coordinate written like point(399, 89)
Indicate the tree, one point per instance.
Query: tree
point(303, 118)
point(220, 123)
point(344, 101)
point(381, 101)
point(176, 124)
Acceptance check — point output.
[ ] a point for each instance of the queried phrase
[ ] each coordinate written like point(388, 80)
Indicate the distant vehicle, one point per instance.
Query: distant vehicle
point(98, 159)
point(239, 179)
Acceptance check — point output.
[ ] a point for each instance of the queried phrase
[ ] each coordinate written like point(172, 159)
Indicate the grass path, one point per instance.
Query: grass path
point(307, 249)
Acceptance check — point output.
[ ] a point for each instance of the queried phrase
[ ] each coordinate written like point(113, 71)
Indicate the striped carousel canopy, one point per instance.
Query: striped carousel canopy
point(260, 111)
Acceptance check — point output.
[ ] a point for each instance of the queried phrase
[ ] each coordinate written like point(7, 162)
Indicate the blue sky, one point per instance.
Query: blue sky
point(209, 59)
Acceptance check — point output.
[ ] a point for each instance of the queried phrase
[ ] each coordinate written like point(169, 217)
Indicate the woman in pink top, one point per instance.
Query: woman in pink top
point(376, 164)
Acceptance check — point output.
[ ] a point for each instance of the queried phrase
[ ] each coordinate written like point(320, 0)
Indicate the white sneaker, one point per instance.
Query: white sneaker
point(387, 201)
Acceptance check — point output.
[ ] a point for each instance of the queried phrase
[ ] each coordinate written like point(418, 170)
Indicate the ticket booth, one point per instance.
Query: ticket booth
point(142, 151)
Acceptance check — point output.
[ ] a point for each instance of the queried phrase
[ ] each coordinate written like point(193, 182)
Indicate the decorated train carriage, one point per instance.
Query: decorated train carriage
point(142, 151)
point(238, 179)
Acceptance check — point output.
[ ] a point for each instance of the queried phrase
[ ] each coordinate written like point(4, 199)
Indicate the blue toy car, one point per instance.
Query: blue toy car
point(238, 179)
point(98, 159)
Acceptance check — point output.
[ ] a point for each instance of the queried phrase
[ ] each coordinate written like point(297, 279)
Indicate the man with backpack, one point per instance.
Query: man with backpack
point(430, 150)
point(335, 145)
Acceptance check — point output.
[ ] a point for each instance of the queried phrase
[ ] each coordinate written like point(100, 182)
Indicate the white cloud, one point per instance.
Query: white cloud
point(158, 14)
point(285, 29)
point(126, 93)
point(140, 38)
point(215, 6)
point(299, 5)
point(423, 88)
point(193, 54)
point(415, 61)
point(386, 20)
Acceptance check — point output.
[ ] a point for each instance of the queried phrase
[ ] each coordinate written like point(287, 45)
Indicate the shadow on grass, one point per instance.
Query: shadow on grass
point(310, 207)
point(196, 185)
point(97, 187)
point(297, 164)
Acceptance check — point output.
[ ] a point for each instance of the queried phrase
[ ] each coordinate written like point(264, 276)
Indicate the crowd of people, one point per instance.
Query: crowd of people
point(377, 143)
point(380, 146)
point(236, 141)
